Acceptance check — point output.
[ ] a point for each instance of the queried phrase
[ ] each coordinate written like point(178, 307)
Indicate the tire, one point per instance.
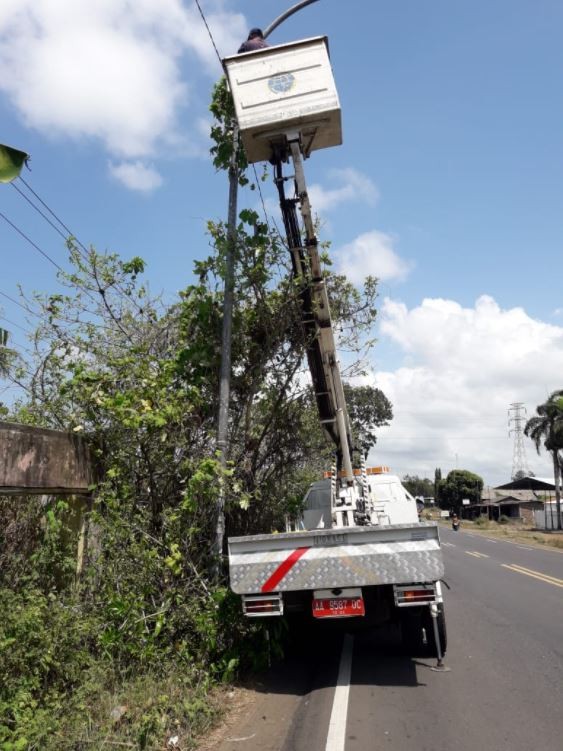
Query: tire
point(417, 631)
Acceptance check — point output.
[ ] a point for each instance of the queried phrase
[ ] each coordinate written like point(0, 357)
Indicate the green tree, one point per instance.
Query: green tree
point(8, 356)
point(546, 428)
point(521, 474)
point(4, 359)
point(418, 486)
point(369, 409)
point(460, 484)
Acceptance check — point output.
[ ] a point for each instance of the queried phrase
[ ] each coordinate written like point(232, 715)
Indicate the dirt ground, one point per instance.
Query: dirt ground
point(255, 716)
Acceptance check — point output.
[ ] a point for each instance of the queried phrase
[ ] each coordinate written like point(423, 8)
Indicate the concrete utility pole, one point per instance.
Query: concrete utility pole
point(228, 301)
point(226, 337)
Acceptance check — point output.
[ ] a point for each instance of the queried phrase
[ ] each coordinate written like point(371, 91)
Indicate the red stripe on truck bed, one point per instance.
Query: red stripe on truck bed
point(283, 569)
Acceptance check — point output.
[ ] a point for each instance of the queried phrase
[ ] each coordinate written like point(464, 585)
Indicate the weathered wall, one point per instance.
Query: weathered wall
point(37, 460)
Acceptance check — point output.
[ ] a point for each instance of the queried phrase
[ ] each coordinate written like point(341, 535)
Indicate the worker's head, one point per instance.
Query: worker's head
point(255, 34)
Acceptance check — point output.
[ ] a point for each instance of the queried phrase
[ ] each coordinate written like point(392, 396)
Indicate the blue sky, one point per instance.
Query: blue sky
point(448, 185)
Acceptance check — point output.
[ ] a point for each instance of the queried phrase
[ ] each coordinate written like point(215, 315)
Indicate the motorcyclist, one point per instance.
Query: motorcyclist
point(455, 522)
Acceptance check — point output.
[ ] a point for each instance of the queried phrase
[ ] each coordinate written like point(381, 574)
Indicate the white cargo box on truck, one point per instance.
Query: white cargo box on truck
point(284, 88)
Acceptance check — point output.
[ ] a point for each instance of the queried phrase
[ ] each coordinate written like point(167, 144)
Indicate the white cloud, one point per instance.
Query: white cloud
point(109, 69)
point(136, 176)
point(353, 187)
point(372, 254)
point(462, 369)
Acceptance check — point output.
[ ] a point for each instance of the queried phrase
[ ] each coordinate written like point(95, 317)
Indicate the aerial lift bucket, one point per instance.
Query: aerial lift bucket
point(281, 89)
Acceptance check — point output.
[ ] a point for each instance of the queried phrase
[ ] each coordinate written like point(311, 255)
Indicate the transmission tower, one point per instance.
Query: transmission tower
point(516, 420)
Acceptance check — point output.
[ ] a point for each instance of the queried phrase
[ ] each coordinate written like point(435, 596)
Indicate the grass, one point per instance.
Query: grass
point(514, 531)
point(148, 713)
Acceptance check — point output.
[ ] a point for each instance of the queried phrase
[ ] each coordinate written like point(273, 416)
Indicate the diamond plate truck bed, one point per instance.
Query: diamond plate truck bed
point(349, 557)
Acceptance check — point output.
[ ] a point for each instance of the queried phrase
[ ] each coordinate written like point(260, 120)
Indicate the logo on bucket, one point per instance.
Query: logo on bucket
point(281, 83)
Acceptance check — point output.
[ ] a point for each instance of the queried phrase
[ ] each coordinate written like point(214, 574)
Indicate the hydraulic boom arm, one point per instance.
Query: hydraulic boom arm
point(317, 325)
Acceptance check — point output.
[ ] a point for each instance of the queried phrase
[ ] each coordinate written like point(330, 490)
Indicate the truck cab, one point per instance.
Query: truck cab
point(390, 500)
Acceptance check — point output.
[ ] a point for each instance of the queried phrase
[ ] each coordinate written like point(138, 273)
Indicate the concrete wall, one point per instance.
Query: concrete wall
point(37, 460)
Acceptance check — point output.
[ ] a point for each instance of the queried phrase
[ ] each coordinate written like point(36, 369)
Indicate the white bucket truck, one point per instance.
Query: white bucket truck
point(359, 551)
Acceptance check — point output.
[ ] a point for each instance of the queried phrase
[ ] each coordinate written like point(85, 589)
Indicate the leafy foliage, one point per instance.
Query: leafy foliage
point(369, 409)
point(460, 484)
point(141, 383)
point(418, 486)
point(7, 355)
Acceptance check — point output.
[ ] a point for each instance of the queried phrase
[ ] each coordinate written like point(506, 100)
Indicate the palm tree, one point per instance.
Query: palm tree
point(547, 428)
point(11, 163)
point(4, 352)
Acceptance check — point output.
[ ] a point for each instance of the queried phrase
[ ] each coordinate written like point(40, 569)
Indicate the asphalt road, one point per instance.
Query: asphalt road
point(504, 691)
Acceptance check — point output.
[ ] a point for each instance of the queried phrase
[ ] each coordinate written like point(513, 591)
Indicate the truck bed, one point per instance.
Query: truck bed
point(326, 559)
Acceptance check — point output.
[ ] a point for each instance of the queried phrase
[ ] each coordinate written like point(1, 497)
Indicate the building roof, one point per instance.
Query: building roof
point(495, 495)
point(511, 501)
point(529, 483)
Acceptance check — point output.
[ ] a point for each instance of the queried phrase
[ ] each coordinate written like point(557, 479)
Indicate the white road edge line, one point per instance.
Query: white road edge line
point(336, 738)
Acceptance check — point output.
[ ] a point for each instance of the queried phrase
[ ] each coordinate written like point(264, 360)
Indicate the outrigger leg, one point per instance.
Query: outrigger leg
point(439, 667)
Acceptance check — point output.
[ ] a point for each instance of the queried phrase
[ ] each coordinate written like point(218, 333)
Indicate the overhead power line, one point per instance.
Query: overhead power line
point(16, 302)
point(208, 31)
point(30, 241)
point(17, 325)
point(262, 199)
point(387, 438)
point(67, 234)
point(45, 217)
point(86, 291)
point(42, 202)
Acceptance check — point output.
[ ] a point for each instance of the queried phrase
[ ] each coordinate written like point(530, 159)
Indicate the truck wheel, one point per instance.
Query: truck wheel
point(417, 631)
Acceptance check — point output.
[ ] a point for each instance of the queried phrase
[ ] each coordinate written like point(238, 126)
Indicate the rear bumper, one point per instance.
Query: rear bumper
point(357, 557)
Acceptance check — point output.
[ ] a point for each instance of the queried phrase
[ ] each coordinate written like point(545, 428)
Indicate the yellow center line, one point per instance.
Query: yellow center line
point(475, 554)
point(539, 573)
point(535, 574)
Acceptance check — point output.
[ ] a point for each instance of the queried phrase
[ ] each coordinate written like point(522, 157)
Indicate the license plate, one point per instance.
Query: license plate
point(338, 607)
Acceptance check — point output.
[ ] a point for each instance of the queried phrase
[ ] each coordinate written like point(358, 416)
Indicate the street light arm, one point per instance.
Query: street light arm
point(286, 14)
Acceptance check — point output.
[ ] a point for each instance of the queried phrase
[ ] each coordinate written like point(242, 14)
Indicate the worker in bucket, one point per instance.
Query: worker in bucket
point(255, 41)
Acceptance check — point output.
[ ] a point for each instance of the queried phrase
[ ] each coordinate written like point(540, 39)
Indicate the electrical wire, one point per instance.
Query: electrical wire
point(30, 241)
point(86, 291)
point(42, 202)
point(83, 250)
point(261, 198)
point(221, 62)
point(208, 31)
point(16, 302)
point(442, 438)
point(30, 202)
point(38, 315)
point(17, 325)
point(43, 253)
point(17, 347)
